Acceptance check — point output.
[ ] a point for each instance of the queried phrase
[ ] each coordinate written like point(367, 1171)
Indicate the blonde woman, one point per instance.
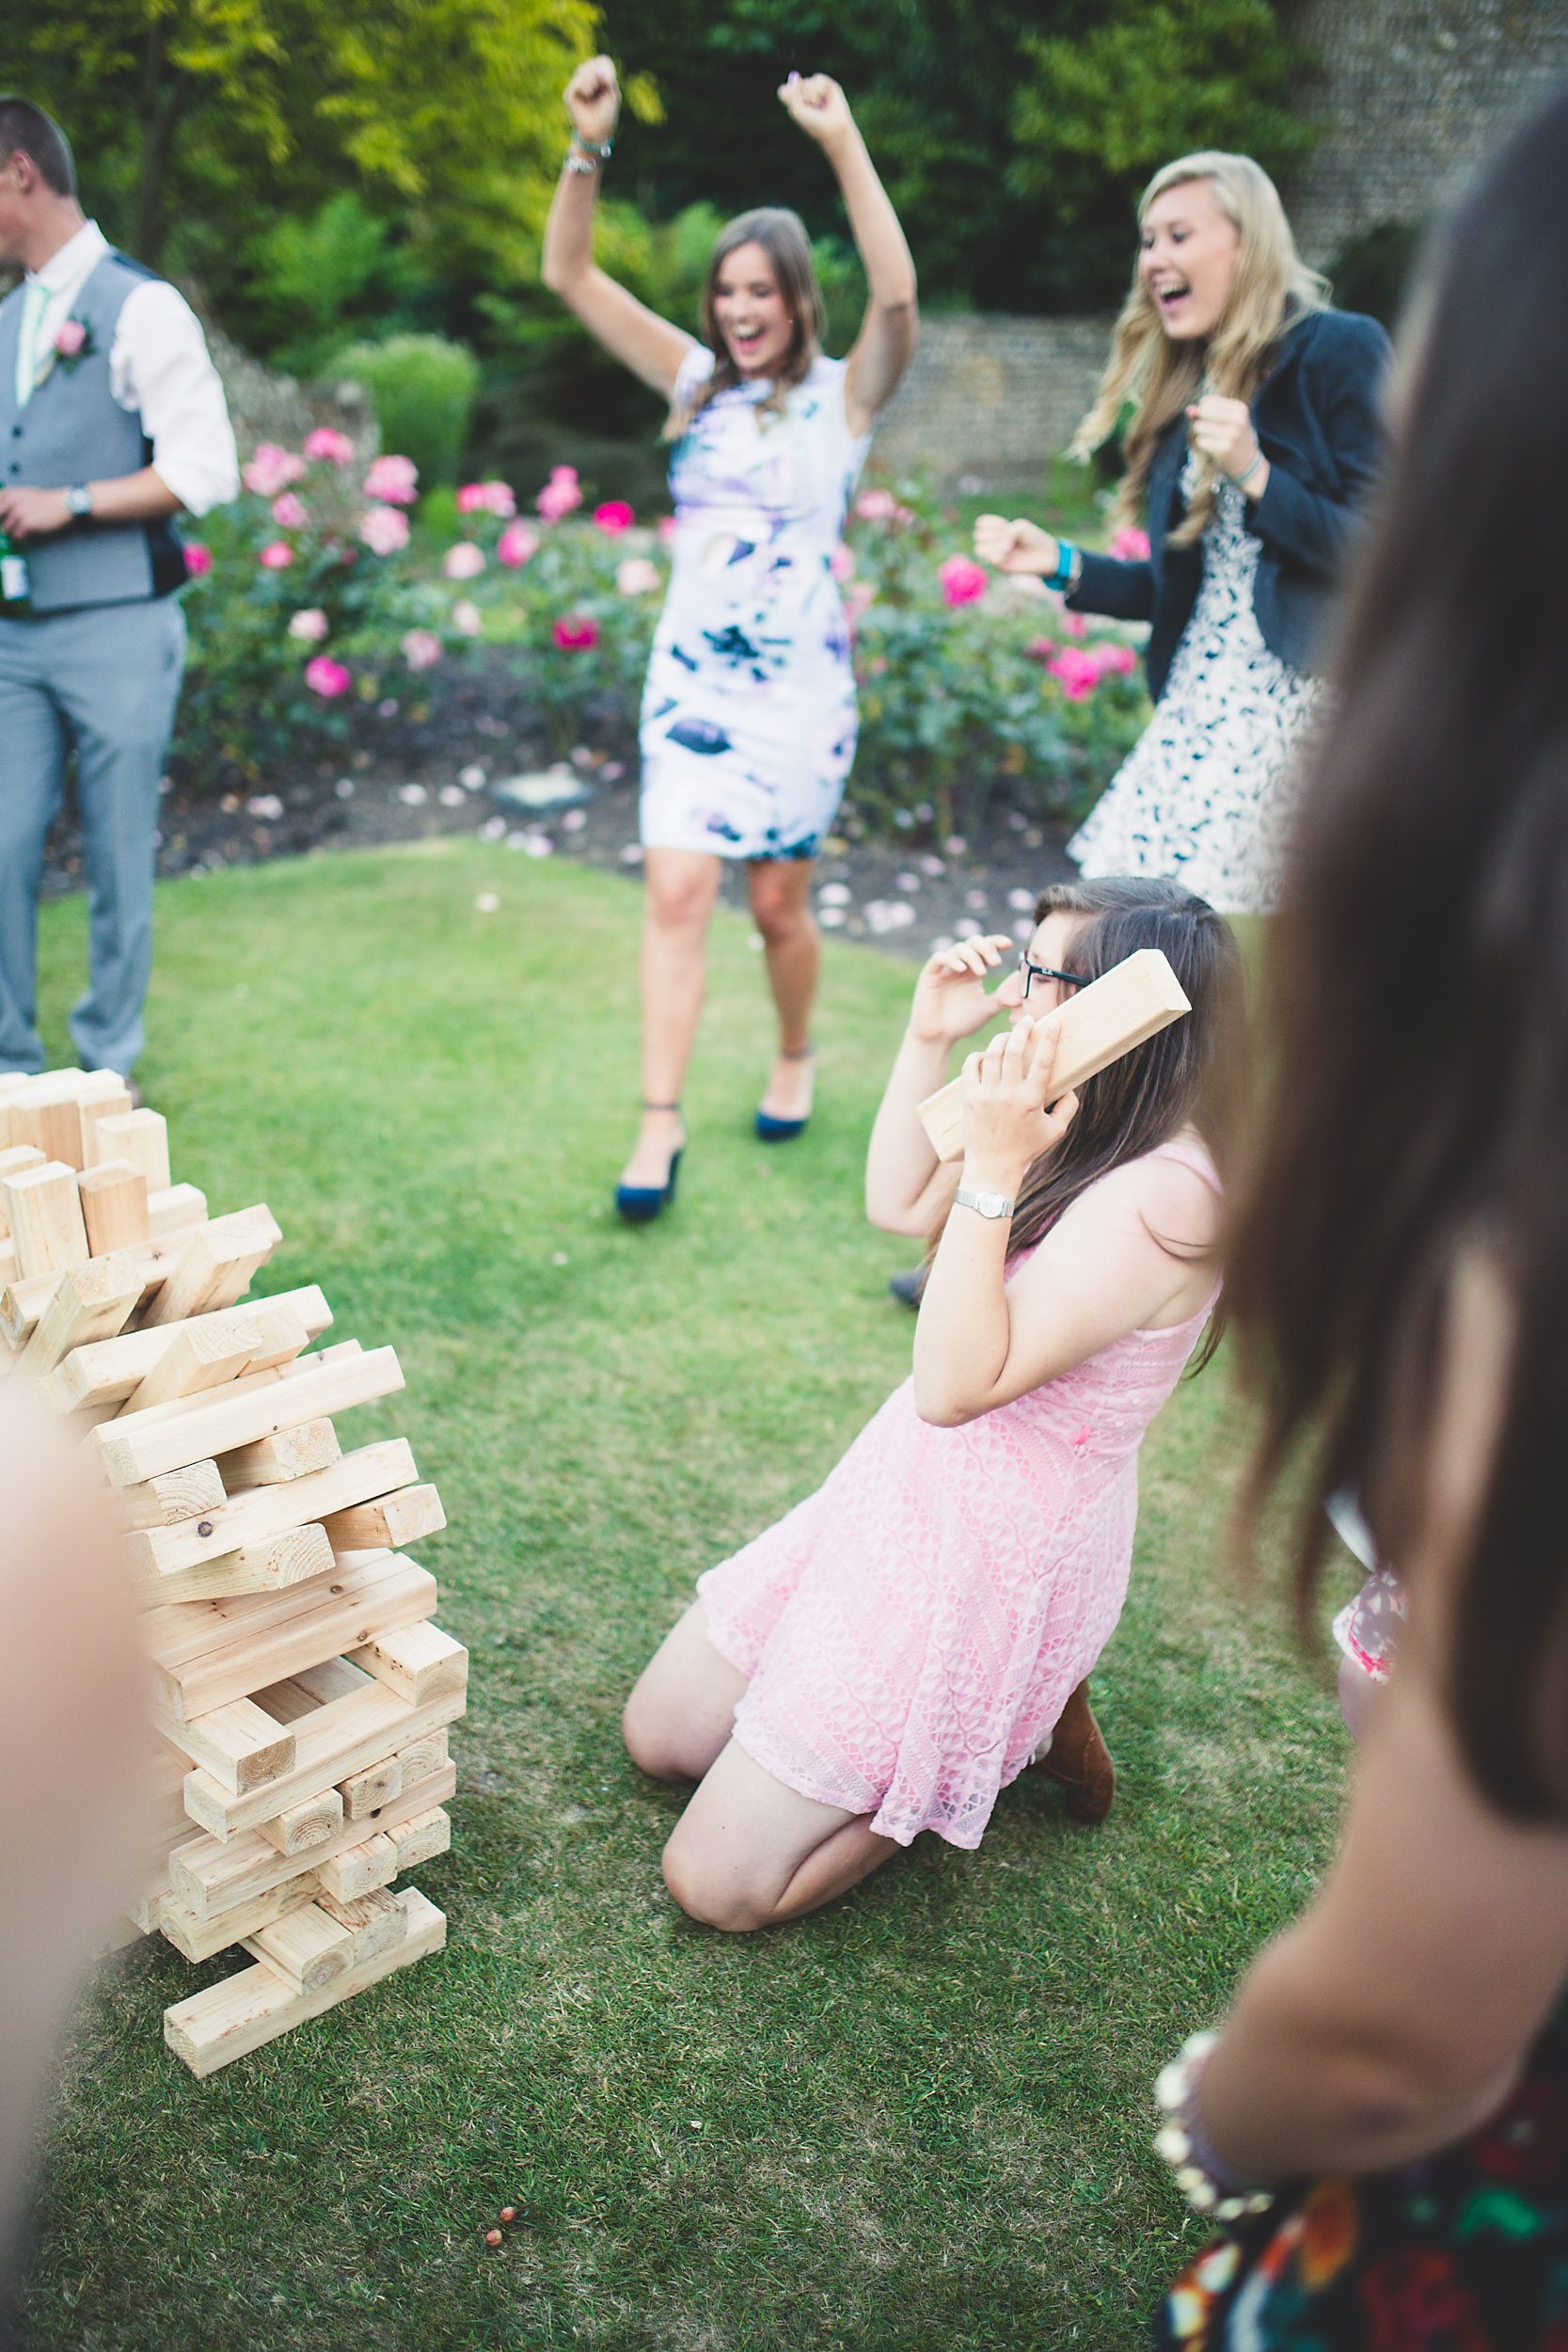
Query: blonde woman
point(1255, 437)
point(749, 712)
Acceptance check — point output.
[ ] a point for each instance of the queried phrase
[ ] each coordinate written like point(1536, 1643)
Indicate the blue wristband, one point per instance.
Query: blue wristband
point(1066, 554)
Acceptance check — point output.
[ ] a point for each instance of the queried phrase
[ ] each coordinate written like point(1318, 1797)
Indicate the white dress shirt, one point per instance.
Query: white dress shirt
point(159, 365)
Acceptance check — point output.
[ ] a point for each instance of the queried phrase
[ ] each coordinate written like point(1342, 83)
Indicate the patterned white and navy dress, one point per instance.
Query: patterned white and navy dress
point(1206, 794)
point(748, 711)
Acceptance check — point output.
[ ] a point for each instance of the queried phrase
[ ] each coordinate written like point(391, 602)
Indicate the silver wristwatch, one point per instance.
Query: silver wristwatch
point(983, 1203)
point(78, 501)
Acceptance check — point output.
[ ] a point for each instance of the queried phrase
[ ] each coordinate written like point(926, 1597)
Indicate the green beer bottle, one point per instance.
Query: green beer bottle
point(16, 595)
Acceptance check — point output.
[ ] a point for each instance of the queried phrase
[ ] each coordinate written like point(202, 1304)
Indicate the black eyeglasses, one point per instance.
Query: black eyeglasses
point(1033, 972)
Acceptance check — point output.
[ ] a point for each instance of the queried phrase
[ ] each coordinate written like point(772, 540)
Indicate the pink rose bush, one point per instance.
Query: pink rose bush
point(384, 530)
point(488, 498)
point(310, 625)
point(841, 563)
point(198, 559)
point(467, 618)
point(613, 518)
point(463, 561)
point(668, 527)
point(575, 632)
point(326, 677)
point(272, 470)
point(1130, 544)
point(559, 495)
point(636, 577)
point(515, 544)
point(277, 556)
point(422, 648)
point(289, 511)
point(326, 444)
point(393, 480)
point(963, 580)
point(1075, 670)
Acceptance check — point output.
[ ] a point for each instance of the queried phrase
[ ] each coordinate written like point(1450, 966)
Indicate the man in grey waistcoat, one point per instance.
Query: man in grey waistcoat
point(112, 421)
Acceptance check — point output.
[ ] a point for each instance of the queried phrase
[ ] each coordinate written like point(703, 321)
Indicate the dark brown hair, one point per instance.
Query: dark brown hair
point(1193, 1072)
point(26, 127)
point(781, 235)
point(1419, 1021)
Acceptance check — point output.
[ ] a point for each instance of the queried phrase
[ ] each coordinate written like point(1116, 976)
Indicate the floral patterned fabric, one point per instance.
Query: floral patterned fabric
point(913, 1629)
point(748, 716)
point(1465, 2252)
point(1206, 795)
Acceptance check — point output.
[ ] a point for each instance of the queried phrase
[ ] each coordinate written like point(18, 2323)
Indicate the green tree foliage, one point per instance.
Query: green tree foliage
point(423, 388)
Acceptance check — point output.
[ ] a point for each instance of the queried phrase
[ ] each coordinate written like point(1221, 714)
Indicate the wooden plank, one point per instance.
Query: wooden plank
point(45, 1113)
point(369, 1791)
point(104, 1094)
point(108, 1374)
point(310, 1947)
point(356, 1869)
point(215, 1267)
point(269, 1567)
point(313, 1821)
point(139, 1136)
point(180, 1494)
point(24, 1300)
point(212, 1349)
point(377, 1920)
point(239, 1745)
point(330, 1745)
point(91, 1302)
point(418, 1661)
point(1135, 1000)
point(210, 1878)
point(130, 1451)
point(114, 1206)
point(388, 1523)
point(285, 1633)
point(202, 1939)
point(230, 2020)
point(175, 1210)
point(43, 1211)
point(266, 1511)
point(12, 1161)
point(423, 1755)
point(272, 1461)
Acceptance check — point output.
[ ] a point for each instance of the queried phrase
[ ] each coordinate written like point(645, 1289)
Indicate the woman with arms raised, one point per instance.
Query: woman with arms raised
point(749, 712)
point(1390, 2090)
point(909, 1638)
point(1254, 436)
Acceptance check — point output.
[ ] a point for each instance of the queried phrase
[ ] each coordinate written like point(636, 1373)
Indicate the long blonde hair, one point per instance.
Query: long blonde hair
point(1161, 376)
point(781, 235)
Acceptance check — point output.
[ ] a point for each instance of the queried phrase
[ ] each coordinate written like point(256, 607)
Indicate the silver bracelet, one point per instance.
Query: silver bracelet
point(584, 165)
point(1203, 2181)
point(1239, 479)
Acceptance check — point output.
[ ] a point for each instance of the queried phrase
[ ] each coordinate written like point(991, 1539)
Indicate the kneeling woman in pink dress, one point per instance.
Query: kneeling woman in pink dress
point(910, 1638)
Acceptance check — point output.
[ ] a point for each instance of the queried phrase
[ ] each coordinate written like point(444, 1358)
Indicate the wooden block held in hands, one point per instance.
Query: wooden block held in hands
point(139, 1136)
point(114, 1206)
point(43, 1211)
point(1135, 1000)
point(214, 1267)
point(387, 1525)
point(273, 1461)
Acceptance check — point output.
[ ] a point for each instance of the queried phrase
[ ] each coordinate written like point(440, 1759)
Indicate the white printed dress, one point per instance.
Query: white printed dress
point(1206, 793)
point(748, 711)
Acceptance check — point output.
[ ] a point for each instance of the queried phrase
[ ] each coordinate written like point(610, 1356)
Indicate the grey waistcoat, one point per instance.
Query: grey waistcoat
point(73, 429)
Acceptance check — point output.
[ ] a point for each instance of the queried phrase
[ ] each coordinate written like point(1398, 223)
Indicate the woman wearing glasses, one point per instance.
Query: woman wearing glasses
point(911, 1637)
point(1254, 435)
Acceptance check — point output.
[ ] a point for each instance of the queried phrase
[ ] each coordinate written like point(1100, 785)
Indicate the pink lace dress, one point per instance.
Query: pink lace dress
point(913, 1629)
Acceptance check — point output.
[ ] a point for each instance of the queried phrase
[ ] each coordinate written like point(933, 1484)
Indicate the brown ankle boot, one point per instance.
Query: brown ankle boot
point(1080, 1762)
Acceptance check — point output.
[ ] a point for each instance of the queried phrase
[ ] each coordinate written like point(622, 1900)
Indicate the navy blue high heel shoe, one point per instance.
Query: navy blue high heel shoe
point(640, 1203)
point(771, 1130)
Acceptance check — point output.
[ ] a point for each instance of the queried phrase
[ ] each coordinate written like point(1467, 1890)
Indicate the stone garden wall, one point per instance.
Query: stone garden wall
point(991, 396)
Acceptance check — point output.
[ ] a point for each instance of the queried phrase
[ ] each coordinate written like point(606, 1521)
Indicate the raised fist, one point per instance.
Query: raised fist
point(594, 101)
point(817, 105)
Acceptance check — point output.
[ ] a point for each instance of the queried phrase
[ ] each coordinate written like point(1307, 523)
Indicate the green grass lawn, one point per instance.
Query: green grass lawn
point(918, 2119)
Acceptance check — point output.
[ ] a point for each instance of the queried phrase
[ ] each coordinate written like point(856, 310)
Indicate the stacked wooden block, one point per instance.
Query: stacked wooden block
point(302, 1694)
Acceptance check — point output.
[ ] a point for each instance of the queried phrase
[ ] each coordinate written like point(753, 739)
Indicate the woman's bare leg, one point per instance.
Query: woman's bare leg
point(779, 891)
point(681, 887)
point(681, 1711)
point(748, 1853)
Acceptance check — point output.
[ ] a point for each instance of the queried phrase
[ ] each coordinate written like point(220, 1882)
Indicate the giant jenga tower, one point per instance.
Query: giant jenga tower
point(301, 1692)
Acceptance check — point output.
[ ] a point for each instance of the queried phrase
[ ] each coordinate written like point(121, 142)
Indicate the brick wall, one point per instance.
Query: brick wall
point(992, 396)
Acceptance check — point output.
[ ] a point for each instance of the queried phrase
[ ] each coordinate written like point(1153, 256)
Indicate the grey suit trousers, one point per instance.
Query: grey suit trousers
point(107, 679)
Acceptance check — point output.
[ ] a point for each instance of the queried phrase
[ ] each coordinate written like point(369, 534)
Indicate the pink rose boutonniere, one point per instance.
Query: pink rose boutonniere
point(70, 343)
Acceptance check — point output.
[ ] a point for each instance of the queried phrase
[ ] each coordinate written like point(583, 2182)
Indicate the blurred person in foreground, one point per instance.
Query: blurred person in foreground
point(73, 1738)
point(1380, 2125)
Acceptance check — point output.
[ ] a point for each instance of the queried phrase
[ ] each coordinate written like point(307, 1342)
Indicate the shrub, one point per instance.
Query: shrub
point(423, 388)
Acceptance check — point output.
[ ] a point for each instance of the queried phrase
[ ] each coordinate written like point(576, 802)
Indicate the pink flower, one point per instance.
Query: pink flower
point(271, 470)
point(1077, 673)
point(613, 518)
point(277, 556)
point(393, 479)
point(515, 544)
point(1129, 546)
point(857, 596)
point(384, 530)
point(637, 576)
point(842, 563)
point(69, 337)
point(310, 626)
point(327, 441)
point(668, 527)
point(422, 648)
point(576, 632)
point(1075, 625)
point(468, 618)
point(1039, 649)
point(876, 506)
point(463, 561)
point(288, 511)
point(326, 677)
point(1115, 660)
point(198, 560)
point(963, 580)
point(559, 494)
point(486, 498)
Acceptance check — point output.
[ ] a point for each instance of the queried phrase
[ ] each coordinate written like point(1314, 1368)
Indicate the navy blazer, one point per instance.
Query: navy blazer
point(1319, 421)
